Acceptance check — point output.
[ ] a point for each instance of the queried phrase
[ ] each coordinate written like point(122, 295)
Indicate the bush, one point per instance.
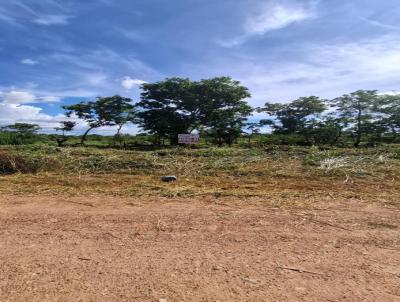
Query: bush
point(10, 163)
point(10, 138)
point(287, 139)
point(18, 163)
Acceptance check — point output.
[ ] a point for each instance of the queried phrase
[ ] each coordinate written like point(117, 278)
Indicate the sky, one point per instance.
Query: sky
point(57, 52)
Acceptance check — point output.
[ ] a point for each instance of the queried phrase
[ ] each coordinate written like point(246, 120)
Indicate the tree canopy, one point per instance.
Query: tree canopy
point(104, 111)
point(357, 109)
point(22, 128)
point(218, 109)
point(178, 105)
point(65, 126)
point(292, 117)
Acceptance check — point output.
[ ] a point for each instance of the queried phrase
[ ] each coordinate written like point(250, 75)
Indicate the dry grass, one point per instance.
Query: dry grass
point(280, 176)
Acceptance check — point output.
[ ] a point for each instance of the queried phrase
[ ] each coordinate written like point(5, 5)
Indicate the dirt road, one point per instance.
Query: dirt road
point(109, 249)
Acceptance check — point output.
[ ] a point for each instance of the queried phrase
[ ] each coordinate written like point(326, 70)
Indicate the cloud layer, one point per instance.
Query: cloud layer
point(276, 16)
point(280, 49)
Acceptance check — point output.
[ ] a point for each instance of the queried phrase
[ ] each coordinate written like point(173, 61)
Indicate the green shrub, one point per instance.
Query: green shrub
point(10, 138)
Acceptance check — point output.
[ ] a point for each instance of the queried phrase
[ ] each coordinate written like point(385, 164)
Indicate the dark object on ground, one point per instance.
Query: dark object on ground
point(169, 178)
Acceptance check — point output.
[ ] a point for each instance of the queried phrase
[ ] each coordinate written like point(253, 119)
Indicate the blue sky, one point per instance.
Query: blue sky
point(55, 52)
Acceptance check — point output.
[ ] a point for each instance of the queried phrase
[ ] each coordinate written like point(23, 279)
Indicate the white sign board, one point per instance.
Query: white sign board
point(188, 139)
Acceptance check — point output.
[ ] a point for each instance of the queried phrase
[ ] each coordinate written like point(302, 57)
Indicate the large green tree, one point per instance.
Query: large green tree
point(327, 130)
point(23, 132)
point(389, 110)
point(222, 108)
point(178, 105)
point(293, 117)
point(104, 111)
point(358, 109)
point(162, 109)
point(23, 129)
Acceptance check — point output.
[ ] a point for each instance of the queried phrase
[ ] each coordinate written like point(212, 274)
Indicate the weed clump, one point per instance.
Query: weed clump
point(11, 163)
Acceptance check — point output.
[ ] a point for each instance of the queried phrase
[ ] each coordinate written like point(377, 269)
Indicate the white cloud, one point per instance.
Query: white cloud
point(391, 93)
point(97, 72)
point(18, 97)
point(270, 16)
point(380, 24)
point(49, 99)
point(94, 79)
point(26, 97)
point(330, 71)
point(52, 20)
point(128, 83)
point(14, 107)
point(276, 16)
point(14, 113)
point(16, 12)
point(29, 62)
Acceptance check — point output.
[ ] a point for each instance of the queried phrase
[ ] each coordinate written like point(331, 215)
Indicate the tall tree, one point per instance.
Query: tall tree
point(178, 105)
point(65, 126)
point(104, 111)
point(327, 130)
point(222, 107)
point(389, 110)
point(291, 118)
point(162, 108)
point(23, 129)
point(358, 109)
point(253, 128)
point(118, 110)
point(23, 132)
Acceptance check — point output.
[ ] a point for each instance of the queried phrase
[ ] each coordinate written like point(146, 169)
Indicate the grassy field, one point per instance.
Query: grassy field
point(284, 174)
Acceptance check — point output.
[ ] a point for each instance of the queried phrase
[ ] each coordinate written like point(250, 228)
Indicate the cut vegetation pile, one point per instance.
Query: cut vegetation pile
point(297, 171)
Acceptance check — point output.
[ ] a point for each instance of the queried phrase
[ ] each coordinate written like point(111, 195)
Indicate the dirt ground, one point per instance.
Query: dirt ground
point(112, 249)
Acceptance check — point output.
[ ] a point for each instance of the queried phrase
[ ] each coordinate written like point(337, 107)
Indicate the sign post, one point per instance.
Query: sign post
point(188, 139)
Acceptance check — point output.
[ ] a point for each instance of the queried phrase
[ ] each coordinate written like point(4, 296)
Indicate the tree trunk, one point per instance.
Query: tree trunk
point(60, 142)
point(117, 135)
point(84, 136)
point(174, 140)
point(359, 131)
point(394, 134)
point(337, 137)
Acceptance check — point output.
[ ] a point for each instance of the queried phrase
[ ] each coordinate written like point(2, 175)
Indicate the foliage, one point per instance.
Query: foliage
point(389, 109)
point(10, 138)
point(23, 129)
point(293, 117)
point(179, 105)
point(65, 126)
point(19, 133)
point(104, 111)
point(216, 108)
point(327, 131)
point(357, 110)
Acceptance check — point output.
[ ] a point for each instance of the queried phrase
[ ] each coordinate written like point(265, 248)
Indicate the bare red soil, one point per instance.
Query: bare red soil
point(109, 249)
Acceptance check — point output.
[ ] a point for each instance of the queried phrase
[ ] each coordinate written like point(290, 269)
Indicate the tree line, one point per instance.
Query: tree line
point(361, 116)
point(217, 108)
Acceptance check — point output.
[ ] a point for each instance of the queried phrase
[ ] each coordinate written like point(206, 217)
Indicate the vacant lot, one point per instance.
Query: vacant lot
point(238, 225)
